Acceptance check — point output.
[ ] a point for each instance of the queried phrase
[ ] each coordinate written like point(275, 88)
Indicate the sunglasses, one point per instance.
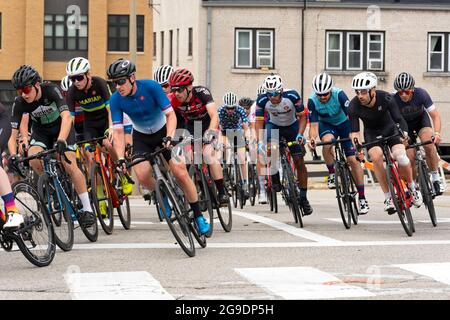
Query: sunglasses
point(230, 107)
point(119, 82)
point(322, 94)
point(78, 77)
point(25, 90)
point(408, 92)
point(165, 86)
point(361, 92)
point(177, 89)
point(273, 94)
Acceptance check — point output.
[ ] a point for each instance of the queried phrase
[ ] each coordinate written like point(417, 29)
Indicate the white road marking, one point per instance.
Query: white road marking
point(298, 232)
point(115, 286)
point(438, 271)
point(366, 221)
point(250, 245)
point(439, 220)
point(302, 283)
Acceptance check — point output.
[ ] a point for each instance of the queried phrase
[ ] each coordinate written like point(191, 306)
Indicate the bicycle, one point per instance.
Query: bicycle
point(178, 218)
point(35, 238)
point(106, 188)
point(402, 203)
point(61, 200)
point(234, 176)
point(423, 176)
point(345, 183)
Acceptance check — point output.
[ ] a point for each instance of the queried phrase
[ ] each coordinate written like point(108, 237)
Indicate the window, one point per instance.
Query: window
point(190, 39)
point(119, 33)
point(58, 36)
point(178, 48)
point(354, 50)
point(0, 30)
point(154, 45)
point(170, 47)
point(436, 52)
point(162, 47)
point(254, 48)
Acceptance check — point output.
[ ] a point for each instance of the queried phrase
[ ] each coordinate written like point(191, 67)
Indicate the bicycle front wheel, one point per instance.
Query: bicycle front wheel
point(124, 212)
point(426, 188)
point(343, 196)
point(36, 239)
point(101, 200)
point(175, 218)
point(58, 213)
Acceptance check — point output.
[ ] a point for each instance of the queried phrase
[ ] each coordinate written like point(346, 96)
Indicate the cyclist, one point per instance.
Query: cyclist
point(197, 106)
point(380, 114)
point(154, 124)
point(286, 114)
point(92, 94)
point(417, 108)
point(162, 75)
point(11, 214)
point(51, 127)
point(328, 109)
point(233, 119)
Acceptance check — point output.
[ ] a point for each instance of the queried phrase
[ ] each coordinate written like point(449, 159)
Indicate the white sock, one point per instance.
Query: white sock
point(262, 183)
point(435, 176)
point(387, 195)
point(412, 185)
point(84, 197)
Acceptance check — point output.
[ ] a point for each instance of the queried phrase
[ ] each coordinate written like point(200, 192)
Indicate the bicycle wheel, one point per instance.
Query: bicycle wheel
point(57, 211)
point(224, 213)
point(101, 200)
point(426, 189)
point(399, 200)
point(204, 198)
point(252, 183)
point(342, 195)
point(234, 191)
point(36, 239)
point(177, 222)
point(353, 194)
point(293, 196)
point(124, 212)
point(238, 183)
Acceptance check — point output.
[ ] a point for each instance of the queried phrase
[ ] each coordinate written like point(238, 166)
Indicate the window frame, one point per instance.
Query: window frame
point(54, 23)
point(361, 51)
point(118, 25)
point(258, 56)
point(190, 42)
point(381, 53)
point(250, 49)
point(341, 39)
point(442, 36)
point(254, 48)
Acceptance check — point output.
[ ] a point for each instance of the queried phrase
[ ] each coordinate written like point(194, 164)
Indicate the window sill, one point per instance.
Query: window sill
point(253, 71)
point(441, 74)
point(189, 58)
point(124, 52)
point(380, 74)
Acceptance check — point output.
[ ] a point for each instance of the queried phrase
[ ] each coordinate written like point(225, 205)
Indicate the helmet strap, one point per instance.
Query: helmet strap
point(132, 87)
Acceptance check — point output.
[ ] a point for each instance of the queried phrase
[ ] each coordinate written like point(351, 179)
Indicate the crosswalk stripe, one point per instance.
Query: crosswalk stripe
point(438, 271)
point(301, 283)
point(360, 221)
point(115, 286)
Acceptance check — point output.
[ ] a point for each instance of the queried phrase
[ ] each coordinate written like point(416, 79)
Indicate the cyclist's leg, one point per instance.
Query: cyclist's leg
point(327, 133)
point(40, 140)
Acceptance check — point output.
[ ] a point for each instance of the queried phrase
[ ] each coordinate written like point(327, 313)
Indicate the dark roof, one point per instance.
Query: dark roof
point(419, 2)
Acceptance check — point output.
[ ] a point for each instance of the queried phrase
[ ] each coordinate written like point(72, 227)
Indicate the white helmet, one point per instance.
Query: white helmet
point(273, 83)
point(78, 65)
point(322, 83)
point(364, 80)
point(162, 74)
point(260, 90)
point(230, 99)
point(65, 83)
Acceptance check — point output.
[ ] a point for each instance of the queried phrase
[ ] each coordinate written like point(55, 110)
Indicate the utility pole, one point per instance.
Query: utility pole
point(133, 31)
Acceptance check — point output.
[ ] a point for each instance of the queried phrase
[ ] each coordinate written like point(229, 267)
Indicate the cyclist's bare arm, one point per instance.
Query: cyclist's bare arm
point(119, 142)
point(66, 125)
point(212, 111)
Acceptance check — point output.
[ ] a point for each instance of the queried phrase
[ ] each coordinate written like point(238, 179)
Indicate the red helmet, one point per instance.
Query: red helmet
point(180, 78)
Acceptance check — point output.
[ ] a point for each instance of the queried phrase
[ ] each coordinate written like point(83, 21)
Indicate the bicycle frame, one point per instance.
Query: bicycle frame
point(107, 170)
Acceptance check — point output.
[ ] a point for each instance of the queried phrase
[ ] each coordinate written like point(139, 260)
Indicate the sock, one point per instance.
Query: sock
point(387, 195)
point(84, 197)
point(412, 185)
point(276, 178)
point(220, 186)
point(331, 169)
point(195, 206)
point(262, 183)
point(361, 192)
point(10, 204)
point(100, 192)
point(303, 192)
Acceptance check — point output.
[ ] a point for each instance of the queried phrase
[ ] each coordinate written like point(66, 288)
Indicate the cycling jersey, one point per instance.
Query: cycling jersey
point(333, 112)
point(146, 108)
point(5, 128)
point(282, 114)
point(44, 112)
point(93, 102)
point(127, 124)
point(195, 108)
point(416, 108)
point(234, 120)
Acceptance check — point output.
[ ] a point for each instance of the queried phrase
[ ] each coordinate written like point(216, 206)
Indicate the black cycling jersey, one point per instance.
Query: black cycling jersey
point(381, 118)
point(414, 110)
point(45, 112)
point(93, 102)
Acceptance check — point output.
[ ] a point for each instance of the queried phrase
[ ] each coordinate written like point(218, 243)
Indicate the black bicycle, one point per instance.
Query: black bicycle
point(346, 191)
point(402, 201)
point(423, 178)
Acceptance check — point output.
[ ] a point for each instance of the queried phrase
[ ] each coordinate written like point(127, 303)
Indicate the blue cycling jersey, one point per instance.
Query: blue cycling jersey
point(146, 109)
point(234, 120)
point(333, 112)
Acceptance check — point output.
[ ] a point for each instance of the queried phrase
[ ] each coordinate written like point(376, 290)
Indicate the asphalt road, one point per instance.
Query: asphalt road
point(265, 256)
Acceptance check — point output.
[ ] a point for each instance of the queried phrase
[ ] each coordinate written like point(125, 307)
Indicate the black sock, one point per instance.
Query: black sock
point(195, 206)
point(220, 186)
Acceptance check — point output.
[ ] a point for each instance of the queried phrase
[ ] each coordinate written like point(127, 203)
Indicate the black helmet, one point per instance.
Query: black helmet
point(24, 76)
point(121, 68)
point(245, 102)
point(404, 81)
